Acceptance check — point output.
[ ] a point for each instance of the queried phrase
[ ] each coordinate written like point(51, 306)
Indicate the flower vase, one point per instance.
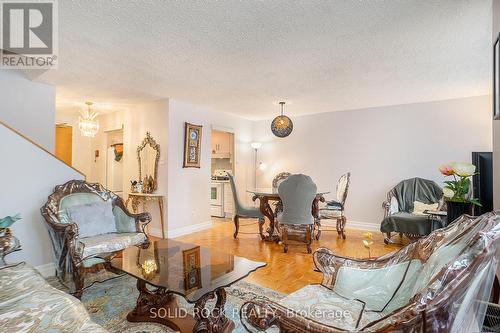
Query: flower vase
point(457, 209)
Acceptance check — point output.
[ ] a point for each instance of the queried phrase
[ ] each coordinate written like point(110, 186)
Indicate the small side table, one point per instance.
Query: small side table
point(437, 214)
point(138, 198)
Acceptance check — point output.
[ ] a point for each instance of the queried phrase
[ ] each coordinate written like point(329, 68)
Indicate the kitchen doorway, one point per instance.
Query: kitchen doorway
point(221, 196)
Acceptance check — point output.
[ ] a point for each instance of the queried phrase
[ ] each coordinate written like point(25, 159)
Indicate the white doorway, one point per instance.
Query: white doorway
point(114, 161)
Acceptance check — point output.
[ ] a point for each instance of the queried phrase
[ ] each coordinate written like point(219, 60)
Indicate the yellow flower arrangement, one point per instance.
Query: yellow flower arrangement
point(368, 241)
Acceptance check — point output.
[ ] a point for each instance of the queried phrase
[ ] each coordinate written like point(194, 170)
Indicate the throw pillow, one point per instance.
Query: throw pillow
point(420, 207)
point(93, 219)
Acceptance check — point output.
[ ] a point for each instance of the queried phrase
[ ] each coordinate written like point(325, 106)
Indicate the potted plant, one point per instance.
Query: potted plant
point(456, 191)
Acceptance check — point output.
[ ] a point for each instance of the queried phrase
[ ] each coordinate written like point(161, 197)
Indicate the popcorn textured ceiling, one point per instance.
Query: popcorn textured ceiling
point(242, 57)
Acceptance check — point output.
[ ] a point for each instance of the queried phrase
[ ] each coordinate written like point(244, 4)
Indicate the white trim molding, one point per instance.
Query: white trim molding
point(367, 226)
point(46, 270)
point(188, 229)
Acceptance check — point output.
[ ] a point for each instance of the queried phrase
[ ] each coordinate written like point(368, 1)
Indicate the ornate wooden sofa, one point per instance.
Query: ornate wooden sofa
point(29, 304)
point(436, 284)
point(75, 253)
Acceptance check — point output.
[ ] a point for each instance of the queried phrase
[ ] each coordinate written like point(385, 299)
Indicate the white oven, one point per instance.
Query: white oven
point(217, 199)
point(216, 194)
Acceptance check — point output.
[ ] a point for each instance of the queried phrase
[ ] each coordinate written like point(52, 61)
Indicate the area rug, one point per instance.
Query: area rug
point(109, 302)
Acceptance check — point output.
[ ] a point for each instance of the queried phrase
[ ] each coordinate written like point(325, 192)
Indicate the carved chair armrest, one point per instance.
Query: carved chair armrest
point(259, 316)
point(386, 205)
point(68, 235)
point(141, 221)
point(329, 263)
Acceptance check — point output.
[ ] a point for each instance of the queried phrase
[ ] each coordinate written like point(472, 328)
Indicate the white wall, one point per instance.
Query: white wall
point(28, 107)
point(29, 177)
point(379, 146)
point(150, 117)
point(189, 188)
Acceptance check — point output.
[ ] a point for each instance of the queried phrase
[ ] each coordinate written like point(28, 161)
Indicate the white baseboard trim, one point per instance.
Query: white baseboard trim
point(362, 225)
point(155, 232)
point(47, 270)
point(188, 229)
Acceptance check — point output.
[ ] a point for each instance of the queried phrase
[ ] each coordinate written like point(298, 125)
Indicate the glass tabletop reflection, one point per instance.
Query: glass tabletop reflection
point(183, 268)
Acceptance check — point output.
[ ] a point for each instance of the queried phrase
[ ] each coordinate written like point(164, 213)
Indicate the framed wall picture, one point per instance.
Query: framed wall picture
point(192, 269)
point(496, 79)
point(192, 146)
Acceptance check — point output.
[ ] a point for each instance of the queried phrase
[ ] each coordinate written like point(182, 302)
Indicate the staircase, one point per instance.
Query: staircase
point(29, 174)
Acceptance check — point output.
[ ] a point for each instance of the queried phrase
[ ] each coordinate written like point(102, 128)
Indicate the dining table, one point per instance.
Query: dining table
point(268, 195)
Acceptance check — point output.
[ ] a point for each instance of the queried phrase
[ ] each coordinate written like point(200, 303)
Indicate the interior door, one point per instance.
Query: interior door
point(64, 143)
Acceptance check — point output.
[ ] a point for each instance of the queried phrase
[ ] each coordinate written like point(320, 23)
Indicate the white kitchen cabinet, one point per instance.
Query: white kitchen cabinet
point(222, 144)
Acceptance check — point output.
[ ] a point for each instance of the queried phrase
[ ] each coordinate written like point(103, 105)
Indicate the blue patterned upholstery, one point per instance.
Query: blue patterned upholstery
point(29, 304)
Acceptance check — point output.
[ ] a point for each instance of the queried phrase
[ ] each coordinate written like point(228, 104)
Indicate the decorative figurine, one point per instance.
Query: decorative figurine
point(139, 187)
point(8, 243)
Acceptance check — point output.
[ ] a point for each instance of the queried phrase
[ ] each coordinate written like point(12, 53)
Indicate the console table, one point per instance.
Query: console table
point(138, 198)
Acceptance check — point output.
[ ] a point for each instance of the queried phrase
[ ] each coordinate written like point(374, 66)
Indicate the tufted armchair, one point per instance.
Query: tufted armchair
point(437, 284)
point(86, 223)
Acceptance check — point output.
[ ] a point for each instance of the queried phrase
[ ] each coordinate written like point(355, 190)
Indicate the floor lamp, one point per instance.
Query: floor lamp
point(255, 146)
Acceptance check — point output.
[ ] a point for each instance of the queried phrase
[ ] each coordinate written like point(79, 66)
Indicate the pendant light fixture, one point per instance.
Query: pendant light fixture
point(282, 126)
point(87, 123)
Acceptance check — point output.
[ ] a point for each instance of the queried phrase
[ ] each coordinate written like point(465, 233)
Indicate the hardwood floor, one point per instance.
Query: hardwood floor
point(285, 272)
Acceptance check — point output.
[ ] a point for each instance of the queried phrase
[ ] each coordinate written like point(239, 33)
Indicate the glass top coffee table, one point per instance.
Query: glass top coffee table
point(198, 274)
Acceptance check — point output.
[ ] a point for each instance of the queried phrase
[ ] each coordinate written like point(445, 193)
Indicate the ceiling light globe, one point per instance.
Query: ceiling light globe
point(282, 126)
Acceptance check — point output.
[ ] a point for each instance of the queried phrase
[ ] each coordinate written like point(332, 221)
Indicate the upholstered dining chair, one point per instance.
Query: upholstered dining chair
point(277, 180)
point(297, 194)
point(334, 209)
point(242, 211)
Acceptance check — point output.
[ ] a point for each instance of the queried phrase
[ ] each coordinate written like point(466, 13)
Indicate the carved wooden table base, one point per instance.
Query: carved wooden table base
point(161, 306)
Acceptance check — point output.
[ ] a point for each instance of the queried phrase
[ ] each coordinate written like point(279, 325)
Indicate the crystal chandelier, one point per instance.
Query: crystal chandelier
point(87, 123)
point(282, 126)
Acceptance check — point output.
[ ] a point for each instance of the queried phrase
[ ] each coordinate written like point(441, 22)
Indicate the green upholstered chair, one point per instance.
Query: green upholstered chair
point(398, 208)
point(440, 283)
point(297, 193)
point(242, 211)
point(75, 251)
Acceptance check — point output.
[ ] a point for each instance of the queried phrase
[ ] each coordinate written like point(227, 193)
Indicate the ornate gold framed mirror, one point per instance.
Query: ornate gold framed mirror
point(148, 155)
